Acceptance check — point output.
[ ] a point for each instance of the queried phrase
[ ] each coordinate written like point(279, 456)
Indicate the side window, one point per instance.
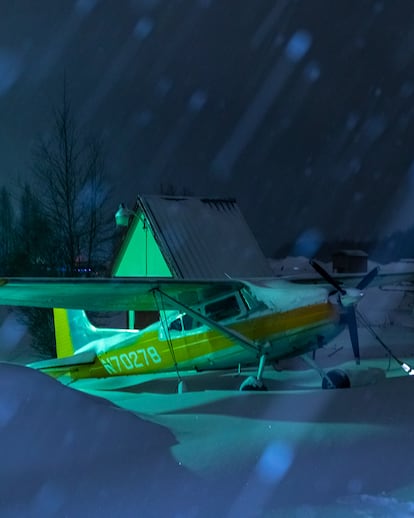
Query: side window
point(222, 309)
point(189, 322)
point(176, 325)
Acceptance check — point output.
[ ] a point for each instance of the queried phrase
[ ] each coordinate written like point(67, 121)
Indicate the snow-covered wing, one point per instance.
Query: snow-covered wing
point(109, 294)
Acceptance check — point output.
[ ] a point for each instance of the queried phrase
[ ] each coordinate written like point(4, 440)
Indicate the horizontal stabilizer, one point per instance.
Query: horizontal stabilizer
point(78, 359)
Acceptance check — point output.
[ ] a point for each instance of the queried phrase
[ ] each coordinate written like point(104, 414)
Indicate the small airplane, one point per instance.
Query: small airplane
point(203, 325)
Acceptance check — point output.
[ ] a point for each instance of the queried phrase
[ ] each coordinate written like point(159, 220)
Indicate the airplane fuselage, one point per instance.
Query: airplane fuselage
point(162, 347)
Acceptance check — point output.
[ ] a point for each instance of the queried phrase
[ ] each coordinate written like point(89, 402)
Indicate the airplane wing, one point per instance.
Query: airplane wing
point(122, 294)
point(110, 294)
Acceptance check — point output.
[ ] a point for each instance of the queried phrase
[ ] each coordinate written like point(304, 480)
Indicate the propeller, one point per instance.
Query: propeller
point(350, 317)
point(350, 314)
point(328, 277)
point(369, 277)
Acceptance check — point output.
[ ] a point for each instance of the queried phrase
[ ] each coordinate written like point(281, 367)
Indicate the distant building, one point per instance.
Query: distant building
point(350, 261)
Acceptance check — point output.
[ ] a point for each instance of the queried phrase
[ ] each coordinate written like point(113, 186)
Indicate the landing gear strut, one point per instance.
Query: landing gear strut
point(256, 383)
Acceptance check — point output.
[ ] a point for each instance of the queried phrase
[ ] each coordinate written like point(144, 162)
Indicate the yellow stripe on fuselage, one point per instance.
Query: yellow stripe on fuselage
point(267, 326)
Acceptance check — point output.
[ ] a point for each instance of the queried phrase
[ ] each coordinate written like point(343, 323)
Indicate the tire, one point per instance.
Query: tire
point(338, 378)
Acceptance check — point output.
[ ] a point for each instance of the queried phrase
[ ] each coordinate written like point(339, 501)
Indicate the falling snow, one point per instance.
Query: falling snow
point(143, 28)
point(298, 45)
point(85, 7)
point(312, 71)
point(225, 105)
point(197, 100)
point(11, 67)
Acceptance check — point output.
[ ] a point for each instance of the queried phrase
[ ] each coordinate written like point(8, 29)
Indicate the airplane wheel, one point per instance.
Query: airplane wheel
point(253, 384)
point(338, 378)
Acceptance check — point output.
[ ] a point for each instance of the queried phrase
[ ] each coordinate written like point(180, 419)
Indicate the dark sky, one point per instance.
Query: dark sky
point(302, 110)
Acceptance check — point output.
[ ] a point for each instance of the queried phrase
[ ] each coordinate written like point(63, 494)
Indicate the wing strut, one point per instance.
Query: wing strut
point(160, 306)
point(230, 333)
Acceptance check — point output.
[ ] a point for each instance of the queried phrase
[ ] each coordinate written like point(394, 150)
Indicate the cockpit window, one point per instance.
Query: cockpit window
point(184, 322)
point(189, 323)
point(176, 325)
point(222, 309)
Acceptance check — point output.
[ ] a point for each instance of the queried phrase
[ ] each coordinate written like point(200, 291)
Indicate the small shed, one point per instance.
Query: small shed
point(350, 261)
point(189, 238)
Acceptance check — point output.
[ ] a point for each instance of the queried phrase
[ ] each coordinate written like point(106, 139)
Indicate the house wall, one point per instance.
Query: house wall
point(141, 256)
point(344, 263)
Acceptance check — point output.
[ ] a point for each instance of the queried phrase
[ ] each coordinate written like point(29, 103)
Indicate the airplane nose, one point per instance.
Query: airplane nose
point(351, 297)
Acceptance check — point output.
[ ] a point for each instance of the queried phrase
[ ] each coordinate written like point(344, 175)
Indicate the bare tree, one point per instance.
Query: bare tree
point(32, 251)
point(71, 185)
point(7, 236)
point(95, 219)
point(68, 210)
point(32, 256)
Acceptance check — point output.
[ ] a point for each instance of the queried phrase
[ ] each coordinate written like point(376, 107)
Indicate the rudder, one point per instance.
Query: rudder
point(72, 331)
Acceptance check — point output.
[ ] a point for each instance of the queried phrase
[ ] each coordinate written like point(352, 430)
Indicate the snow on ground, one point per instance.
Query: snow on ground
point(286, 452)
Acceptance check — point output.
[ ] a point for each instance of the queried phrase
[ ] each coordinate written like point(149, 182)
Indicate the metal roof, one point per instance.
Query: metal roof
point(204, 237)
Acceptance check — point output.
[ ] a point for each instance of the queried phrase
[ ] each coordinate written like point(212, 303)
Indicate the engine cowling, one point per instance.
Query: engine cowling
point(358, 377)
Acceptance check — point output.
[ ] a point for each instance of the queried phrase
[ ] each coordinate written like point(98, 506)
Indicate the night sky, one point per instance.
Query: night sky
point(301, 110)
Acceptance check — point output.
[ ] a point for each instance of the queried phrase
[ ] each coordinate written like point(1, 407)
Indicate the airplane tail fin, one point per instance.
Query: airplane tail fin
point(72, 331)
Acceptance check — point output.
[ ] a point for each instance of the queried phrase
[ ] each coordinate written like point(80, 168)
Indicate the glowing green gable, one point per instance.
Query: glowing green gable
point(140, 255)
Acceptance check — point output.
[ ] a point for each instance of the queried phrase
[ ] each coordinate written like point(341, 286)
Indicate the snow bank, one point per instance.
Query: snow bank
point(64, 453)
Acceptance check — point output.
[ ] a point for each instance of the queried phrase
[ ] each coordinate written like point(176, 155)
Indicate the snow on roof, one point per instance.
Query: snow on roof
point(204, 237)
